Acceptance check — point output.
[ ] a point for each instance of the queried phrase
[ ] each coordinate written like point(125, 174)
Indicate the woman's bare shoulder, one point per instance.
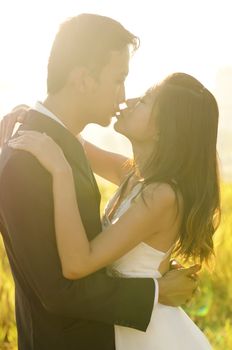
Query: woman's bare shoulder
point(161, 193)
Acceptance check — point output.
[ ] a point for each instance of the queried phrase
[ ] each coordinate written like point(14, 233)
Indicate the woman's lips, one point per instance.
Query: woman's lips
point(119, 114)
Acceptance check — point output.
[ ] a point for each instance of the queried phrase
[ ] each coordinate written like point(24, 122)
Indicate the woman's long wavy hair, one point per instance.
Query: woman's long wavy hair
point(187, 121)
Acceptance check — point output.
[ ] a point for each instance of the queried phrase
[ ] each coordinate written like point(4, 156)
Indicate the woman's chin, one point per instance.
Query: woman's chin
point(116, 126)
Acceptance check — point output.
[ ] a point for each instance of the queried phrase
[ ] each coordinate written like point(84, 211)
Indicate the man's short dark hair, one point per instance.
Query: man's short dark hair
point(85, 40)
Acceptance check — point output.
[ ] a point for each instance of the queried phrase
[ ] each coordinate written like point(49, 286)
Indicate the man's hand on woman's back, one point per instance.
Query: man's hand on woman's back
point(178, 286)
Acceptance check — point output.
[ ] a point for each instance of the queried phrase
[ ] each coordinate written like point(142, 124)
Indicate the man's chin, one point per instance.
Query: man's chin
point(105, 122)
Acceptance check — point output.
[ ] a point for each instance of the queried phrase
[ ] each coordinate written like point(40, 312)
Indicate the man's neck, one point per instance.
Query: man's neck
point(63, 109)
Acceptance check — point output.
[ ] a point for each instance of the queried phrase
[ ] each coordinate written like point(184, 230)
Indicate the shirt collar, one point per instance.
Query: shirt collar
point(39, 107)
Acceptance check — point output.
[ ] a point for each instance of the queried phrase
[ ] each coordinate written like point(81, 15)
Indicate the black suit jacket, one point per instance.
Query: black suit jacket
point(51, 311)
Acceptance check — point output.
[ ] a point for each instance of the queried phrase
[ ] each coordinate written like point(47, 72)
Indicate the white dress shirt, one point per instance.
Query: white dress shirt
point(39, 107)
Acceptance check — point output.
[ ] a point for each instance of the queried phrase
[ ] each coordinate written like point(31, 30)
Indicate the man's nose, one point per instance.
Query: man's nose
point(121, 95)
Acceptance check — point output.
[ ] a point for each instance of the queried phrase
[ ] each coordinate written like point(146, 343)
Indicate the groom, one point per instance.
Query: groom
point(86, 71)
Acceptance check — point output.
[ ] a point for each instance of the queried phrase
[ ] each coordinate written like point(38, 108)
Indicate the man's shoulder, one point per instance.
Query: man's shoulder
point(37, 120)
point(17, 166)
point(7, 156)
point(59, 133)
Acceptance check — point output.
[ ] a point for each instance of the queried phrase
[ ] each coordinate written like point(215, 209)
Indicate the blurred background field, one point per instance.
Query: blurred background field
point(211, 309)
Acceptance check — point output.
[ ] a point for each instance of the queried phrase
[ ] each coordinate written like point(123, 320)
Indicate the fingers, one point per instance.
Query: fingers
point(21, 115)
point(42, 147)
point(192, 270)
point(33, 133)
point(8, 123)
point(5, 130)
point(174, 264)
point(20, 143)
point(2, 132)
point(32, 141)
point(20, 107)
point(197, 291)
point(177, 286)
point(27, 140)
point(188, 302)
point(192, 280)
point(32, 136)
point(194, 277)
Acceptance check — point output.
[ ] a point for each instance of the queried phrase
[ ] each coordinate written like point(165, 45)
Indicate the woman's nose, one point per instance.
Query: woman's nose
point(131, 102)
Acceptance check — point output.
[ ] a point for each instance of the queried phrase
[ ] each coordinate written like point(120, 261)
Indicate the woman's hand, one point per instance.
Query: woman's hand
point(8, 122)
point(44, 148)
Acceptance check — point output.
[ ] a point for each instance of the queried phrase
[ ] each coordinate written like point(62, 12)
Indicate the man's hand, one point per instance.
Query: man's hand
point(8, 122)
point(174, 264)
point(177, 286)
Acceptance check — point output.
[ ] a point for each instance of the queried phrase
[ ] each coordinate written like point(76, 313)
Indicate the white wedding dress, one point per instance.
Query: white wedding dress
point(170, 328)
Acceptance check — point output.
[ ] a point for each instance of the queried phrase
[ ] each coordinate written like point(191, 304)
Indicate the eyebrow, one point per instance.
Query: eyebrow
point(147, 93)
point(150, 92)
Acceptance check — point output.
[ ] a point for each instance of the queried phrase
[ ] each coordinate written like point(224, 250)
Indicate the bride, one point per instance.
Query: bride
point(168, 202)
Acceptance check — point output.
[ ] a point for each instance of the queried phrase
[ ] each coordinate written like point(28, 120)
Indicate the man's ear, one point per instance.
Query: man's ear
point(82, 79)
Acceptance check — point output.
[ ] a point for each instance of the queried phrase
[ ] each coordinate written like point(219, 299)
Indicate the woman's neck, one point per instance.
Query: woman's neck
point(141, 156)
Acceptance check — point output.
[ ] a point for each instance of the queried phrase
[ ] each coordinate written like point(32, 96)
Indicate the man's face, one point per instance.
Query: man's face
point(109, 89)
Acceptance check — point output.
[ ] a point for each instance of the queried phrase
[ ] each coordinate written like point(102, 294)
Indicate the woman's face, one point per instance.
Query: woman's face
point(135, 122)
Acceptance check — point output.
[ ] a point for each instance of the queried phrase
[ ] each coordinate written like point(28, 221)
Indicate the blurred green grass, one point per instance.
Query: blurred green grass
point(211, 309)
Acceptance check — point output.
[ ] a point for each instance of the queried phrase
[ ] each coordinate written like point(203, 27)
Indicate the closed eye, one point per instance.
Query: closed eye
point(142, 99)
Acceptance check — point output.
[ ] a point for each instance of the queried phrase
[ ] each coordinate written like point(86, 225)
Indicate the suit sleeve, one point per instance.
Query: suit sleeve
point(26, 201)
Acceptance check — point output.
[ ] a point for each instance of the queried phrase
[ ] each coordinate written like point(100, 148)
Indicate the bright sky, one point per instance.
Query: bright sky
point(193, 36)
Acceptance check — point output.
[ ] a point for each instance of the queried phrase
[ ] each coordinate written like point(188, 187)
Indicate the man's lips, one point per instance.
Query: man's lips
point(120, 110)
point(119, 114)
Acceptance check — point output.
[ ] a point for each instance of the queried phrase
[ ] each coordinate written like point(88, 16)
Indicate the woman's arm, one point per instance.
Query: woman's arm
point(111, 166)
point(79, 257)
